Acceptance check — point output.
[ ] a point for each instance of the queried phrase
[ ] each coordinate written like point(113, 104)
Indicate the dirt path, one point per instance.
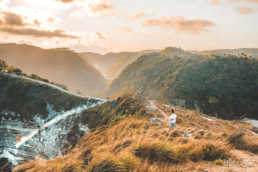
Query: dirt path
point(246, 162)
point(165, 116)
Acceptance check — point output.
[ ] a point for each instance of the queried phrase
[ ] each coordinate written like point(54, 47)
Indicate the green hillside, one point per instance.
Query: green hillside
point(222, 86)
point(28, 98)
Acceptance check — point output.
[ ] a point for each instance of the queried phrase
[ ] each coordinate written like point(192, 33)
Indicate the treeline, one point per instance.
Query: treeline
point(5, 68)
point(220, 86)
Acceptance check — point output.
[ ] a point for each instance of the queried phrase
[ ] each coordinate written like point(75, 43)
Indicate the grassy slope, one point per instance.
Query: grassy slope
point(219, 85)
point(138, 145)
point(28, 98)
point(60, 66)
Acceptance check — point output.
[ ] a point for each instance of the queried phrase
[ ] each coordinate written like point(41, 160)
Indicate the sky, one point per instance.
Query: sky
point(130, 25)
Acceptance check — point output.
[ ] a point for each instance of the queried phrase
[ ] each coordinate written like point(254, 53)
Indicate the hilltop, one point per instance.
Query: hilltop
point(218, 86)
point(58, 65)
point(133, 143)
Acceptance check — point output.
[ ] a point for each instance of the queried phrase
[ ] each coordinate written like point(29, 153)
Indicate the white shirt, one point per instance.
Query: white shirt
point(173, 118)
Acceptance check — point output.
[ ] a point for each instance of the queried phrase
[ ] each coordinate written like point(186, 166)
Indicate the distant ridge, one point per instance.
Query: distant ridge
point(111, 64)
point(58, 65)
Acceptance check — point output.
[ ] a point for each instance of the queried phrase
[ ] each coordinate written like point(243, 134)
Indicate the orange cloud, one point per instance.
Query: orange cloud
point(247, 1)
point(37, 33)
point(65, 1)
point(180, 24)
point(244, 10)
point(13, 19)
point(100, 36)
point(15, 24)
point(91, 8)
point(125, 29)
point(100, 7)
point(136, 16)
point(214, 2)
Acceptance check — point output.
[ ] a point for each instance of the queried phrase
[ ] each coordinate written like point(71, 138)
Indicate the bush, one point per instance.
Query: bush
point(219, 162)
point(208, 152)
point(239, 141)
point(108, 165)
point(177, 133)
point(236, 139)
point(156, 152)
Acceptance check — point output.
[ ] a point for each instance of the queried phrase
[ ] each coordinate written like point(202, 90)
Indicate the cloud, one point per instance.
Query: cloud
point(125, 29)
point(180, 24)
point(100, 7)
point(65, 1)
point(13, 19)
point(16, 24)
point(247, 1)
point(244, 10)
point(214, 2)
point(91, 8)
point(100, 36)
point(37, 33)
point(136, 16)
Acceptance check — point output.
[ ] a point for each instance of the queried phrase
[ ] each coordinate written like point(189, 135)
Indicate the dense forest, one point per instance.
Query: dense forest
point(225, 86)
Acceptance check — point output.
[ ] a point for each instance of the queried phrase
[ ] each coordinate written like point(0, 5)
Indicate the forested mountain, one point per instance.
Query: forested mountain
point(249, 52)
point(58, 65)
point(222, 86)
point(112, 64)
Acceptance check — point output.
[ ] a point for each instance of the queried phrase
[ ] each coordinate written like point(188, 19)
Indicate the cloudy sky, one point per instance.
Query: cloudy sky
point(130, 25)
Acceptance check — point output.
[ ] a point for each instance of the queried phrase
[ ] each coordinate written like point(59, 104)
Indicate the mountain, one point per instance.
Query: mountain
point(35, 117)
point(218, 86)
point(174, 51)
point(252, 52)
point(119, 142)
point(112, 64)
point(58, 65)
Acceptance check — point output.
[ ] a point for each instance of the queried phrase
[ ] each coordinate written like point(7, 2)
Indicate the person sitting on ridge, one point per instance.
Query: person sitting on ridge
point(172, 120)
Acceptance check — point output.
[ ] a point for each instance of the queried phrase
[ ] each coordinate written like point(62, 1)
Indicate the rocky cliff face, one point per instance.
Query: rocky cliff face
point(36, 119)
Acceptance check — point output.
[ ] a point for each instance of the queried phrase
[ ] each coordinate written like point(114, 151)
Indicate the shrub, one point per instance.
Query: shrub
point(208, 152)
point(108, 165)
point(177, 133)
point(156, 152)
point(236, 139)
point(219, 162)
point(239, 141)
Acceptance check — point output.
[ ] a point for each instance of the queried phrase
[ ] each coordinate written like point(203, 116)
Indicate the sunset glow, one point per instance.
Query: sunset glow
point(122, 25)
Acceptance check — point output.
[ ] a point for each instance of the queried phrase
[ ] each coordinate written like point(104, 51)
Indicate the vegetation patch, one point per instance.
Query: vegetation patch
point(240, 141)
point(157, 152)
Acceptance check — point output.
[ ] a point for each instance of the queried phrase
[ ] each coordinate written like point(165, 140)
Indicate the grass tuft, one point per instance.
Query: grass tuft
point(156, 152)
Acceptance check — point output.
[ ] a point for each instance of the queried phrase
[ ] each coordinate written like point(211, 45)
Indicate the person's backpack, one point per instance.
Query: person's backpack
point(186, 135)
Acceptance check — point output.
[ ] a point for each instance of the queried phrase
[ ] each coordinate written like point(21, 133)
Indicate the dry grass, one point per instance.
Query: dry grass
point(135, 145)
point(241, 141)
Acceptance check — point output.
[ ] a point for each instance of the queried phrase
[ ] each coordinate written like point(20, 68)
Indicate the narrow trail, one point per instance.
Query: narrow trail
point(165, 116)
point(246, 162)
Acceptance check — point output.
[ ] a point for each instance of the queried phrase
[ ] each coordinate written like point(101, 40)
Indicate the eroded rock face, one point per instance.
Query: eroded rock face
point(23, 141)
point(37, 117)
